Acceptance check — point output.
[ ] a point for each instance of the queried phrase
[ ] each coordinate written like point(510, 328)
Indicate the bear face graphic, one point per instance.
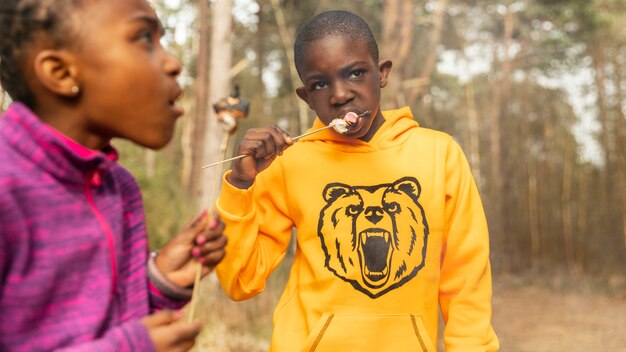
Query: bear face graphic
point(374, 237)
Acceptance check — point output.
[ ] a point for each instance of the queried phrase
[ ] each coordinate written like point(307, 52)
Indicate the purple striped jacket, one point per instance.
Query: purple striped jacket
point(73, 247)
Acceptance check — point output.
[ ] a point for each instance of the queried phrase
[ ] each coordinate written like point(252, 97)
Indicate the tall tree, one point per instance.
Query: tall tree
point(287, 37)
point(195, 127)
point(398, 30)
point(219, 87)
point(418, 86)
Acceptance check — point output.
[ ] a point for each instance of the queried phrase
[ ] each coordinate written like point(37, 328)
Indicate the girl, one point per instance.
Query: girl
point(74, 267)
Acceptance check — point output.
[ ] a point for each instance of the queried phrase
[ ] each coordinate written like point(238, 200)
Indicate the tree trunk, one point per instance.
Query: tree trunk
point(620, 145)
point(418, 87)
point(605, 194)
point(583, 213)
point(397, 33)
point(505, 176)
point(219, 87)
point(533, 214)
point(566, 212)
point(549, 191)
point(194, 129)
point(287, 39)
point(474, 132)
point(150, 162)
point(531, 166)
point(260, 53)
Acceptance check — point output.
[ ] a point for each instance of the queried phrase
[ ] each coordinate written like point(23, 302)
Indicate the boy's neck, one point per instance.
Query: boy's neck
point(378, 121)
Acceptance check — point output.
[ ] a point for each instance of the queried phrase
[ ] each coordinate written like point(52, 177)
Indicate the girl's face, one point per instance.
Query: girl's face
point(127, 80)
point(339, 75)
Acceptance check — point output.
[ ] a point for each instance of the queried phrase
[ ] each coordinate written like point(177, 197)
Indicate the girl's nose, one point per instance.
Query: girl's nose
point(173, 67)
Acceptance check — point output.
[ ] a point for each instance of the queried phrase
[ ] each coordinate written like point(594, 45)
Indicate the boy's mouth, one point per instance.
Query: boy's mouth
point(354, 119)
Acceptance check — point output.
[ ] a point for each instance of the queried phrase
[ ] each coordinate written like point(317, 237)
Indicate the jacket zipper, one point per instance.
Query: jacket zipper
point(105, 227)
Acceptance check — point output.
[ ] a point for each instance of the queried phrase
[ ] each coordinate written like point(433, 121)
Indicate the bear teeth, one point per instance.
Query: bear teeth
point(377, 273)
point(366, 235)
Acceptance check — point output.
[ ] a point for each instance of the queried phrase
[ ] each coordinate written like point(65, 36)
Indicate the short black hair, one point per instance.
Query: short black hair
point(20, 23)
point(336, 23)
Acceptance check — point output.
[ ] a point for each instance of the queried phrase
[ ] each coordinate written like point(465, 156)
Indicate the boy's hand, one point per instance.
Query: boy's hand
point(169, 332)
point(201, 241)
point(263, 145)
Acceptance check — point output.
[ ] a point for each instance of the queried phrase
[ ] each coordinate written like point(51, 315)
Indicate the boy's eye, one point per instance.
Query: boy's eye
point(318, 85)
point(356, 73)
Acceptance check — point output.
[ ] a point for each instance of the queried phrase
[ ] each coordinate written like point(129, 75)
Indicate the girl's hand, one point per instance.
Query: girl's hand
point(169, 332)
point(263, 145)
point(201, 241)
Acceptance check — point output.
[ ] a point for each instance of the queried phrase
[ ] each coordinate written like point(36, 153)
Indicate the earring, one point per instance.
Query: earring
point(75, 90)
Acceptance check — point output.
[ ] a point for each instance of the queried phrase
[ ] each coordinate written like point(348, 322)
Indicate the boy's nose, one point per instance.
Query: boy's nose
point(340, 94)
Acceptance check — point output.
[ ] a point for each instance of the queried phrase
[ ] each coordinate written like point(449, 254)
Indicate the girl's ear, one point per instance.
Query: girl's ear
point(56, 72)
point(384, 67)
point(304, 95)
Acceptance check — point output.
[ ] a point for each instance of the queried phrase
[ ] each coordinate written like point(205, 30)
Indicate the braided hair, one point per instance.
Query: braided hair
point(22, 22)
point(337, 23)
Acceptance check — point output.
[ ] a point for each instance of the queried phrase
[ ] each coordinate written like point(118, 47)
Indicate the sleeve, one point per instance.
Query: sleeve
point(165, 294)
point(465, 287)
point(128, 337)
point(258, 229)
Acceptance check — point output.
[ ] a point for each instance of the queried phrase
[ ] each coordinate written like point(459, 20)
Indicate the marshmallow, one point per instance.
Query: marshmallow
point(340, 125)
point(351, 117)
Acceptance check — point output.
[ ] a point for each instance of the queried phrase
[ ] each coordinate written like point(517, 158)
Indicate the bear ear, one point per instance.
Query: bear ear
point(410, 186)
point(335, 190)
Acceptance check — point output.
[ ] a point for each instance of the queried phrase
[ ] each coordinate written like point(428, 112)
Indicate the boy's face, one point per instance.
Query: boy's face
point(127, 80)
point(339, 75)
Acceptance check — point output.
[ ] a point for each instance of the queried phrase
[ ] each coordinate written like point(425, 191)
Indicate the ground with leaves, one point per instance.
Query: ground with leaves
point(547, 319)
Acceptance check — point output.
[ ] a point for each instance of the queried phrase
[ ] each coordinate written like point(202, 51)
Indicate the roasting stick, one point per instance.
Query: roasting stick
point(244, 155)
point(336, 123)
point(195, 293)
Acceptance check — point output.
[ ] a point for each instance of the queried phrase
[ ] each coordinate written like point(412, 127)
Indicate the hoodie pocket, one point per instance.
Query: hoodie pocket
point(369, 332)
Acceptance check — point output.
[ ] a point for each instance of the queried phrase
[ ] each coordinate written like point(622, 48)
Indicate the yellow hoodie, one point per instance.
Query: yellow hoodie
point(387, 232)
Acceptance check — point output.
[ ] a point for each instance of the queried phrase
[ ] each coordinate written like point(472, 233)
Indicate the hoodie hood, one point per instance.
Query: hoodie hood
point(392, 132)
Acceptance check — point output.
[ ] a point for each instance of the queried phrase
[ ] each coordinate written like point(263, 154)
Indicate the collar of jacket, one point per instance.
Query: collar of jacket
point(51, 151)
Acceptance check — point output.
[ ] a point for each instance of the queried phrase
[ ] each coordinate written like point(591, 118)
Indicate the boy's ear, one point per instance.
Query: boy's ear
point(56, 71)
point(384, 67)
point(302, 94)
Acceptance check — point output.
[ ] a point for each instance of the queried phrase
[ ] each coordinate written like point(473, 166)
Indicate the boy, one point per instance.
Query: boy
point(389, 219)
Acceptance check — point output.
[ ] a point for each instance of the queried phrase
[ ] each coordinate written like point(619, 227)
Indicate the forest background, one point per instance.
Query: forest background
point(533, 90)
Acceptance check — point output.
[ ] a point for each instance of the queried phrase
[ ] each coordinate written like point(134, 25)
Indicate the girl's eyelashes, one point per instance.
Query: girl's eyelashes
point(146, 36)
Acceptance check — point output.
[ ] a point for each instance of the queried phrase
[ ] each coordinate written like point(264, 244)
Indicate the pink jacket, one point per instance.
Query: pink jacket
point(73, 247)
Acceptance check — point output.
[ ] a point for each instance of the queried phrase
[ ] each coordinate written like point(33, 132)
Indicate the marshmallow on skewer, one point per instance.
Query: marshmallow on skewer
point(339, 125)
point(351, 117)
